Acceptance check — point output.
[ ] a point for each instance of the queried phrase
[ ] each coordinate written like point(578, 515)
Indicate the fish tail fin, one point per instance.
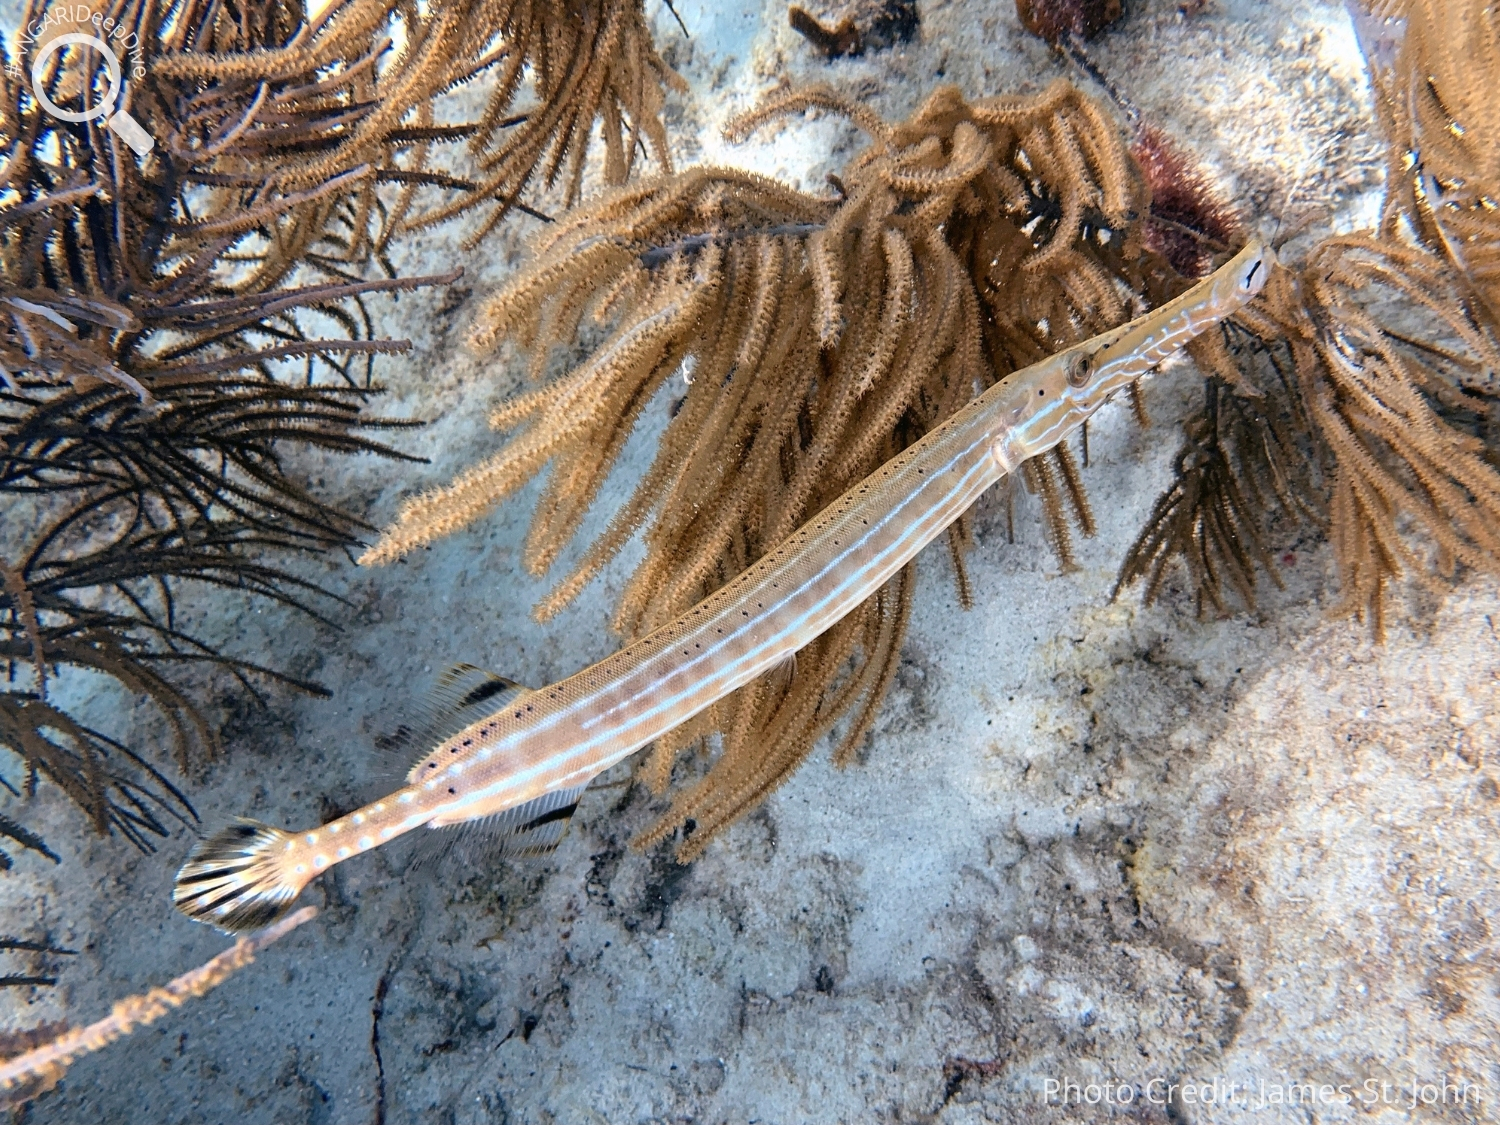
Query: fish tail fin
point(241, 878)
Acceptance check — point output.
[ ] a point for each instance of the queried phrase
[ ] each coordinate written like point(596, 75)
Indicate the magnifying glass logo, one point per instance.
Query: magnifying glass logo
point(127, 128)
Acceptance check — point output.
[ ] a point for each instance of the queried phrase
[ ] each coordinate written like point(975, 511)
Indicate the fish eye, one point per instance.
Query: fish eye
point(1080, 367)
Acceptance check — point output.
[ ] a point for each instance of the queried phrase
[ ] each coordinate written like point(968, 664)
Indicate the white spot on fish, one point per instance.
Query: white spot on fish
point(320, 861)
point(312, 837)
point(301, 869)
point(387, 833)
point(358, 818)
point(366, 842)
point(407, 797)
point(343, 853)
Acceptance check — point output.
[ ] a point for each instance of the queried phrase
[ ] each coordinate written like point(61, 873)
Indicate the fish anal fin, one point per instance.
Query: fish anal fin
point(532, 829)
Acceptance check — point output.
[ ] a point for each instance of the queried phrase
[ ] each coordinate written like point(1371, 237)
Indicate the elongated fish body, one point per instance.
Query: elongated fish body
point(530, 758)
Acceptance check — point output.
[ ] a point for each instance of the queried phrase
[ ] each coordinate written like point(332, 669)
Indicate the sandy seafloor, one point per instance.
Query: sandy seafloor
point(1089, 842)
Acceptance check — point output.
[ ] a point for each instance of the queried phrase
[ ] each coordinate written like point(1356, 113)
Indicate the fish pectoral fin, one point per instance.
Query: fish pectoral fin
point(463, 695)
point(783, 671)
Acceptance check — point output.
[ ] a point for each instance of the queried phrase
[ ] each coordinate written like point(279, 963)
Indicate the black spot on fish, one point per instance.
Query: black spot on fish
point(214, 873)
point(548, 817)
point(480, 692)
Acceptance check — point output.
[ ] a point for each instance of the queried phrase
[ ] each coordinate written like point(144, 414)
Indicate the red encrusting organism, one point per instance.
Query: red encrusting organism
point(1189, 221)
point(1055, 20)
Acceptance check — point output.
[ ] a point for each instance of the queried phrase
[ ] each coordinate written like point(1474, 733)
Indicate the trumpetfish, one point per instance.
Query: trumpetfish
point(524, 757)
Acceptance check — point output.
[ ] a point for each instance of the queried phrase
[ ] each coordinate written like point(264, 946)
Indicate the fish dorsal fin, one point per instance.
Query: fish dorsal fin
point(462, 695)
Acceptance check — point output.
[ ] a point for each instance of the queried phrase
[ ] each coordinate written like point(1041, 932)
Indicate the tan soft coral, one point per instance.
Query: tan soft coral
point(1347, 394)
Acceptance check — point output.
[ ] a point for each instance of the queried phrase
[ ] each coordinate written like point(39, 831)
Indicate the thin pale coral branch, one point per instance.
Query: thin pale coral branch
point(48, 1062)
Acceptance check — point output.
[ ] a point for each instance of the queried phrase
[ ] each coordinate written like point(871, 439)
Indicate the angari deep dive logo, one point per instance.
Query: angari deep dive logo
point(124, 126)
